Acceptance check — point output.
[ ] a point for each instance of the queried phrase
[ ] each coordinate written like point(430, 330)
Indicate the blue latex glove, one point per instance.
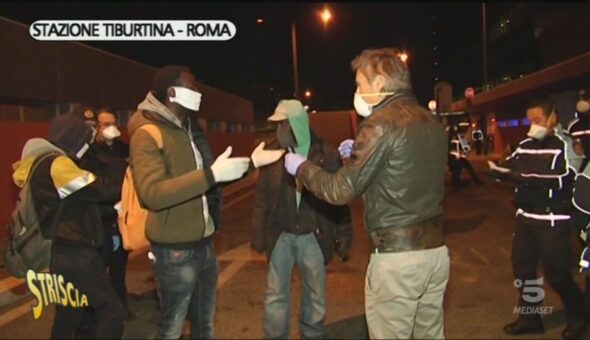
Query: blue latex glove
point(345, 148)
point(292, 162)
point(116, 242)
point(585, 261)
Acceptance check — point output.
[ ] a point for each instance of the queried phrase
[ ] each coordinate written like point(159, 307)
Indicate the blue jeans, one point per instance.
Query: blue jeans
point(186, 285)
point(305, 251)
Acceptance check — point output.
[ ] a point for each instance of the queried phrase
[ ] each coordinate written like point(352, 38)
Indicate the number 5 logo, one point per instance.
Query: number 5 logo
point(533, 291)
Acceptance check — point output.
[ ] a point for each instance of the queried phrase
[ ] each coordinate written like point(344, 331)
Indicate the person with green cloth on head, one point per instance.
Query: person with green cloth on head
point(294, 227)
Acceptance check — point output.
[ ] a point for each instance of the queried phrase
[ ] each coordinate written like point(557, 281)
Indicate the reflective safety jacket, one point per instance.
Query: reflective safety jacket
point(544, 171)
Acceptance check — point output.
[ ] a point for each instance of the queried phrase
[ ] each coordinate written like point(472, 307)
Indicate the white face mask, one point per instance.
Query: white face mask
point(537, 131)
point(582, 106)
point(82, 151)
point(111, 132)
point(362, 107)
point(186, 98)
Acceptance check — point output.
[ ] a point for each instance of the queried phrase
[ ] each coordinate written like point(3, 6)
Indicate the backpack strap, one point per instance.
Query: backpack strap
point(61, 202)
point(38, 161)
point(155, 133)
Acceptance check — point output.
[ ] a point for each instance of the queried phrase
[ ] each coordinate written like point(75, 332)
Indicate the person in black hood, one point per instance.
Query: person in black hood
point(59, 186)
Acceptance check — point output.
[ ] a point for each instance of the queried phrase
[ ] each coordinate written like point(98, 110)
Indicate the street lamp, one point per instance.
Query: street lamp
point(403, 56)
point(326, 16)
point(307, 94)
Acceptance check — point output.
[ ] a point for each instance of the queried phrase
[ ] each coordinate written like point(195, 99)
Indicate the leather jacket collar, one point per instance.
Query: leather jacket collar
point(398, 96)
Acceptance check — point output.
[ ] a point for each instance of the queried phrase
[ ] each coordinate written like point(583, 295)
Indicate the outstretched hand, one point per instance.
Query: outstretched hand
point(261, 157)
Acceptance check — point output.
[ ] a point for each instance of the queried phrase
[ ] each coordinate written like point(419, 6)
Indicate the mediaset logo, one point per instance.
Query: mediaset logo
point(132, 30)
point(532, 292)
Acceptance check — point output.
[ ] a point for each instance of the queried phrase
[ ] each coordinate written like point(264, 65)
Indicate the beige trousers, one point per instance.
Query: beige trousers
point(404, 294)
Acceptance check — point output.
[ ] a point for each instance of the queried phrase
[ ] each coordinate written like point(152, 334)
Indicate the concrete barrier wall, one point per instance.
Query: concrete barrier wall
point(38, 72)
point(334, 126)
point(13, 136)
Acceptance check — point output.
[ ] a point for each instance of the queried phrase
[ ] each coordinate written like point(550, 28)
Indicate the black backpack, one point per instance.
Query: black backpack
point(28, 249)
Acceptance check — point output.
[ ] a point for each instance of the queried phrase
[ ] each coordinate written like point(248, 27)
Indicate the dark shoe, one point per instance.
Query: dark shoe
point(574, 329)
point(520, 326)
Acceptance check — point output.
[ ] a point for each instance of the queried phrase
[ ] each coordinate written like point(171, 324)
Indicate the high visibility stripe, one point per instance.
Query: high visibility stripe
point(76, 184)
point(580, 133)
point(569, 127)
point(579, 207)
point(68, 177)
point(560, 183)
point(553, 163)
point(582, 175)
point(532, 174)
point(539, 152)
point(546, 217)
point(524, 141)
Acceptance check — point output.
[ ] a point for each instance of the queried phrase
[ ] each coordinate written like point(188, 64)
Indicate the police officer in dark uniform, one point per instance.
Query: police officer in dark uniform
point(543, 167)
point(458, 149)
point(108, 157)
point(579, 128)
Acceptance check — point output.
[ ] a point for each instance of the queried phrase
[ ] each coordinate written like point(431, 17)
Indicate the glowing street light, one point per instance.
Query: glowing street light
point(307, 94)
point(326, 15)
point(403, 56)
point(432, 105)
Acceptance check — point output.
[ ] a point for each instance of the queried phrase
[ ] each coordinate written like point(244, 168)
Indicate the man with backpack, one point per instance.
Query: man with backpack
point(173, 181)
point(65, 198)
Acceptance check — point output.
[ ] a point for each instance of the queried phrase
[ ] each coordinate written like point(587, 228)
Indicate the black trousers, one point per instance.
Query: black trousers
point(478, 147)
point(116, 264)
point(457, 165)
point(83, 267)
point(551, 246)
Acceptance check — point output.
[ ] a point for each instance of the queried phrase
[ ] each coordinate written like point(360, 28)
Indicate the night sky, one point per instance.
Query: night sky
point(257, 63)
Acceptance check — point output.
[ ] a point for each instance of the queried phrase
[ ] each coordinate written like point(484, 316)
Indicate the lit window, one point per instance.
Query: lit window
point(513, 123)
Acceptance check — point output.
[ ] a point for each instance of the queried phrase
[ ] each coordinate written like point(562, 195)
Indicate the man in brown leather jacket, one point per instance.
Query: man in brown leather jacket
point(398, 164)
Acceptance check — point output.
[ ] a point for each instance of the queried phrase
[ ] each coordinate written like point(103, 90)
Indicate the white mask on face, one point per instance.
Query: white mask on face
point(186, 98)
point(582, 106)
point(537, 131)
point(111, 132)
point(82, 151)
point(362, 107)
